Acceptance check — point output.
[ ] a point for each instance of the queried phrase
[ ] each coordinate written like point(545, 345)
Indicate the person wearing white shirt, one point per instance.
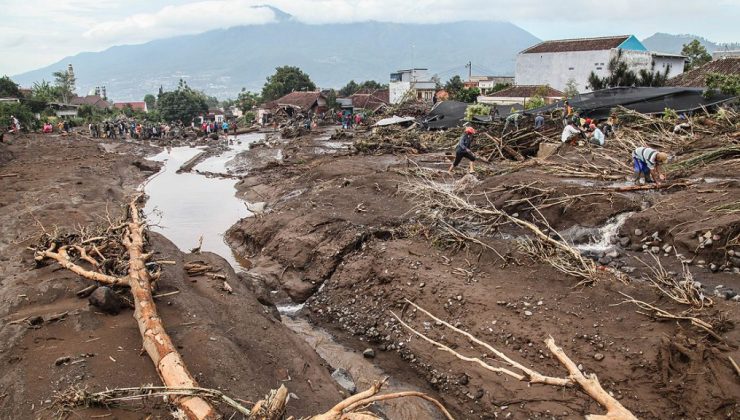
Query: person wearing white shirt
point(569, 133)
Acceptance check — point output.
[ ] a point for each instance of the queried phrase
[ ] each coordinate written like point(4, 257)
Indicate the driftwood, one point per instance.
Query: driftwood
point(590, 385)
point(157, 343)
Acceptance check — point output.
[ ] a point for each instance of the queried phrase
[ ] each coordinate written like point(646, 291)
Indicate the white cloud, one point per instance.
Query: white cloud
point(189, 18)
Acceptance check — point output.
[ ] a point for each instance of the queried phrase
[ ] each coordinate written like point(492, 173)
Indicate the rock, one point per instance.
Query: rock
point(638, 232)
point(479, 394)
point(655, 250)
point(36, 320)
point(701, 262)
point(105, 299)
point(625, 241)
point(729, 294)
point(708, 242)
point(627, 269)
point(735, 261)
point(667, 249)
point(146, 166)
point(368, 353)
point(256, 208)
point(598, 357)
point(605, 260)
point(613, 254)
point(636, 247)
point(527, 313)
point(713, 267)
point(731, 252)
point(708, 234)
point(62, 360)
point(716, 238)
point(345, 380)
point(463, 380)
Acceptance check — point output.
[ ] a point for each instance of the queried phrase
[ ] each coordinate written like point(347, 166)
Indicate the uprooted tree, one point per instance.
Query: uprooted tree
point(115, 256)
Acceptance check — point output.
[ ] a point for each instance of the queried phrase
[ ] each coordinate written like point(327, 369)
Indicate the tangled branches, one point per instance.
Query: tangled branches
point(459, 219)
point(683, 290)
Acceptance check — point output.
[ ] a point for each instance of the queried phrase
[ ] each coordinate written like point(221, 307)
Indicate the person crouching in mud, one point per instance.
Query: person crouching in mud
point(647, 160)
point(463, 150)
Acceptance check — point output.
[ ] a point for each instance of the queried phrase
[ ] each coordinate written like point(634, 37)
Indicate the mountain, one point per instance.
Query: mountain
point(673, 44)
point(221, 62)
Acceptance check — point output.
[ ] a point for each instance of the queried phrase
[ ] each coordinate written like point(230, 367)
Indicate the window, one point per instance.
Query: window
point(571, 68)
point(599, 68)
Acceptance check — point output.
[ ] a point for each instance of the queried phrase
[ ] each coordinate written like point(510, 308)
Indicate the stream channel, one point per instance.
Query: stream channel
point(184, 206)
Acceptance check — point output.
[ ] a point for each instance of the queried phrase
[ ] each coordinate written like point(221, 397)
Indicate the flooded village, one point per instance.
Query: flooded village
point(561, 241)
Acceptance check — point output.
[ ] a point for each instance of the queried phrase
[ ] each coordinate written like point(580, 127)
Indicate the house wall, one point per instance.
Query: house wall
point(556, 69)
point(509, 100)
point(397, 90)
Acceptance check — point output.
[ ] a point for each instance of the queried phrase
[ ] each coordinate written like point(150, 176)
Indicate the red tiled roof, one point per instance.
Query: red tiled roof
point(136, 106)
point(93, 100)
point(579, 44)
point(527, 91)
point(373, 101)
point(302, 100)
point(698, 76)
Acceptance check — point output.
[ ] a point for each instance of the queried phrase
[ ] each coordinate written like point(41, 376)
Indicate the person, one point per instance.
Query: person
point(611, 125)
point(567, 113)
point(48, 128)
point(16, 124)
point(570, 132)
point(512, 118)
point(597, 136)
point(358, 119)
point(647, 160)
point(539, 122)
point(225, 127)
point(463, 150)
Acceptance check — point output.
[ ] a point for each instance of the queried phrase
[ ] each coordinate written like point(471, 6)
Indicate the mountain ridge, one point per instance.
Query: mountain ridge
point(222, 61)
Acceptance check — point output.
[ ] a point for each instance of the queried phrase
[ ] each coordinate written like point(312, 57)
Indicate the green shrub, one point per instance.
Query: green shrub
point(477, 110)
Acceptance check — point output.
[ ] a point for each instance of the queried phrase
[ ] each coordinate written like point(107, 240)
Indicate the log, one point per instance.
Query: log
point(614, 409)
point(508, 149)
point(157, 343)
point(644, 187)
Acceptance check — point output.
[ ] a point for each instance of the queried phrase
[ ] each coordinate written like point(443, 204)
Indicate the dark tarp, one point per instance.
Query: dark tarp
point(446, 114)
point(647, 100)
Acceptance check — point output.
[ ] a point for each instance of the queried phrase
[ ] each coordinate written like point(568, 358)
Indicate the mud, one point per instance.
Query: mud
point(340, 244)
point(231, 342)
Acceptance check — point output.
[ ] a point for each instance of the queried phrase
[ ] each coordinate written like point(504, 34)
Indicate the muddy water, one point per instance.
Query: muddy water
point(185, 206)
point(363, 372)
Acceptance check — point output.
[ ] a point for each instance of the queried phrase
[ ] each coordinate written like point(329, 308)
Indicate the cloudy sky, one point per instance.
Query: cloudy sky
point(34, 33)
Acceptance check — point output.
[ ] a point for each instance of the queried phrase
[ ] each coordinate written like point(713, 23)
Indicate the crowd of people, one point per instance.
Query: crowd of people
point(130, 128)
point(647, 162)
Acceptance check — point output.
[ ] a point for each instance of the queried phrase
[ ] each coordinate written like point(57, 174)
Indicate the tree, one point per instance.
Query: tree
point(182, 104)
point(468, 95)
point(65, 81)
point(150, 101)
point(535, 101)
point(18, 110)
point(285, 80)
point(571, 88)
point(621, 75)
point(349, 89)
point(44, 91)
point(454, 86)
point(246, 100)
point(8, 88)
point(697, 54)
point(726, 83)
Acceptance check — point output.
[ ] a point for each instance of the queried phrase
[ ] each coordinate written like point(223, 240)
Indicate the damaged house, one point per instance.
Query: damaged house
point(300, 103)
point(411, 84)
point(556, 63)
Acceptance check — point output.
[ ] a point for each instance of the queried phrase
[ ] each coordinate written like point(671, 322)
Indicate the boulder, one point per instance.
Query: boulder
point(108, 301)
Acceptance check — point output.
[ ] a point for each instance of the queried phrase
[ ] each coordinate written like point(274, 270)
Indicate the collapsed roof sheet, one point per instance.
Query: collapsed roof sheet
point(647, 100)
point(446, 114)
point(394, 120)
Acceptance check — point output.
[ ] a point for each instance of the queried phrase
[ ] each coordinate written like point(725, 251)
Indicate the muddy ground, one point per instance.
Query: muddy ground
point(231, 342)
point(343, 235)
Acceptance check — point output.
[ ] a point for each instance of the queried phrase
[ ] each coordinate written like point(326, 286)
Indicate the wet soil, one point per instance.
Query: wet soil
point(230, 342)
point(342, 236)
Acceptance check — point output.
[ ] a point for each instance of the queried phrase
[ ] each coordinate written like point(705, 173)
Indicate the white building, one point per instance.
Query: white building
point(410, 84)
point(555, 63)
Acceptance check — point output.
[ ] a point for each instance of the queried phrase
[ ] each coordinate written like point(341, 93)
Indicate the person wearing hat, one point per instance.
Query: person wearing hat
point(463, 150)
point(647, 160)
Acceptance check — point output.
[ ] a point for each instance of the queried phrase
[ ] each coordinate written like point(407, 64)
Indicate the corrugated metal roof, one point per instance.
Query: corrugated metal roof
point(302, 100)
point(578, 44)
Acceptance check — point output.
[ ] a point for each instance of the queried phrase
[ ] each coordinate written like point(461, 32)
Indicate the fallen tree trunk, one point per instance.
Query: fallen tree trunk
point(157, 342)
point(644, 187)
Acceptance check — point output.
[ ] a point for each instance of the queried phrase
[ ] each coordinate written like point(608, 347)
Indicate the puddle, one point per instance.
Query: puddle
point(363, 371)
point(185, 206)
point(598, 239)
point(224, 162)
